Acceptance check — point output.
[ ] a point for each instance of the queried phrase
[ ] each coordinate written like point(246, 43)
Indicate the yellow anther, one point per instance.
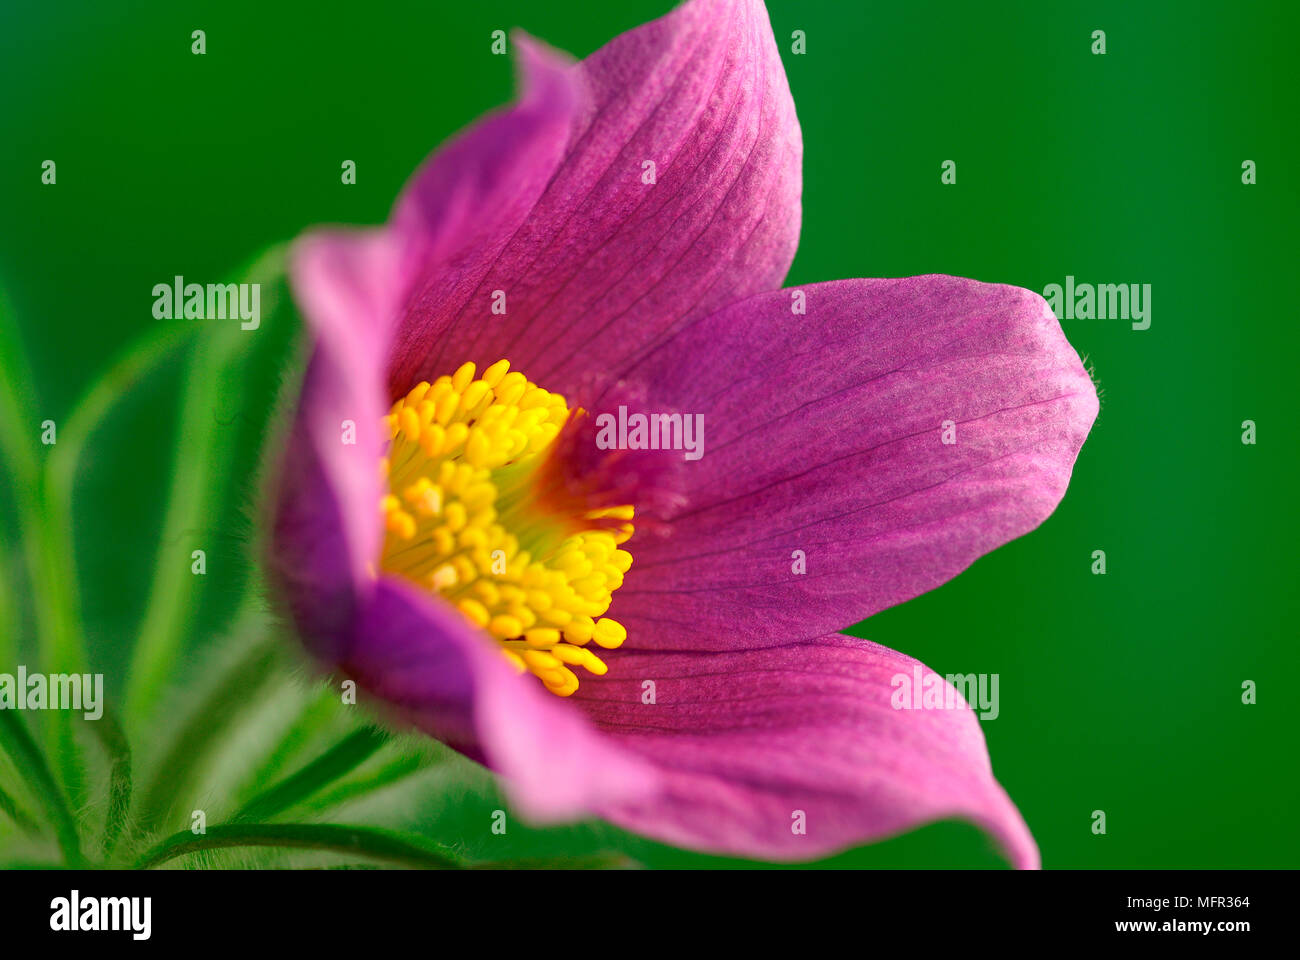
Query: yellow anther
point(475, 611)
point(400, 523)
point(443, 542)
point(433, 439)
point(493, 374)
point(593, 663)
point(409, 419)
point(580, 629)
point(540, 660)
point(609, 633)
point(560, 681)
point(446, 408)
point(456, 435)
point(568, 654)
point(560, 617)
point(504, 627)
point(542, 637)
point(474, 395)
point(455, 515)
point(462, 377)
point(444, 578)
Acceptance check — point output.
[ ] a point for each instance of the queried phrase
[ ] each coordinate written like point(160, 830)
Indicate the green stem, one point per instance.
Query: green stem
point(119, 777)
point(594, 861)
point(342, 758)
point(371, 842)
point(171, 594)
point(29, 760)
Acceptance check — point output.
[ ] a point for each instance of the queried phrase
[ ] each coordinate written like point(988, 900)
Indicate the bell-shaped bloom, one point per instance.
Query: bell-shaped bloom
point(575, 487)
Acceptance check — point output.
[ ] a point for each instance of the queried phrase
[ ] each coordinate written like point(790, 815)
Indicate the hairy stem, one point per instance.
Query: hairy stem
point(371, 842)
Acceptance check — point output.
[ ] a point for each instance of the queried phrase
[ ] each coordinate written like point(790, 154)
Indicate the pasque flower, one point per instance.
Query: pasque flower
point(631, 633)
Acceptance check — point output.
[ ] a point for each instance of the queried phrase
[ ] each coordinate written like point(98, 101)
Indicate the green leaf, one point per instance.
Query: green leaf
point(231, 695)
point(10, 613)
point(336, 762)
point(202, 447)
point(384, 845)
point(47, 545)
point(21, 818)
point(319, 713)
point(29, 760)
point(409, 762)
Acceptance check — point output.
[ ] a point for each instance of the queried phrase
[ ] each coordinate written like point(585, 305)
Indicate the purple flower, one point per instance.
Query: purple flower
point(452, 536)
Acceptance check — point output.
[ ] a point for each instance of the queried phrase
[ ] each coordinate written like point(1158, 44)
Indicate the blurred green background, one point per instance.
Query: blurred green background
point(1119, 692)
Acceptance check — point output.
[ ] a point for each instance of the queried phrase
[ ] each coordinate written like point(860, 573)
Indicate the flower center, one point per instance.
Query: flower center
point(479, 513)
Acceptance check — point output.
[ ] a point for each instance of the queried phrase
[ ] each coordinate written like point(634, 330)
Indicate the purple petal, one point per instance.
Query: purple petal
point(326, 525)
point(422, 659)
point(470, 199)
point(606, 265)
point(824, 434)
point(742, 741)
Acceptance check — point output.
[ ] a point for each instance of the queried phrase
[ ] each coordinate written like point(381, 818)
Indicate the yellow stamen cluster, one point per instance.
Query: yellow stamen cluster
point(465, 518)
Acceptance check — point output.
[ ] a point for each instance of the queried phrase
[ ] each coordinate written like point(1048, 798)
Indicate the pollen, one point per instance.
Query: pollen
point(472, 514)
